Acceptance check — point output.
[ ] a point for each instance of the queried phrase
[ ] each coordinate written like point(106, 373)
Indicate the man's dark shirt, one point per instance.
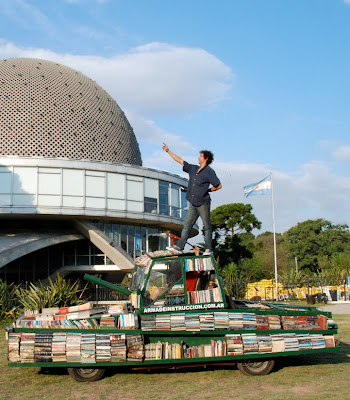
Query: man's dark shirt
point(198, 185)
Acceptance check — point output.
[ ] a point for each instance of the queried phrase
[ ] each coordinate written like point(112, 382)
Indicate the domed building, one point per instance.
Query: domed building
point(74, 196)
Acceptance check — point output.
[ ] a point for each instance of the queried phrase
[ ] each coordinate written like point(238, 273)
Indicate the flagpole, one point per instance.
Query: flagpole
point(274, 237)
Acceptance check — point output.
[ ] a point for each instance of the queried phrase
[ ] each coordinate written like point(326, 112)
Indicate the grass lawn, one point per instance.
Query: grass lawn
point(323, 376)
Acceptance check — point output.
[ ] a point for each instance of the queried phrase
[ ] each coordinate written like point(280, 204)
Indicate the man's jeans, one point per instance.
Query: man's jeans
point(193, 213)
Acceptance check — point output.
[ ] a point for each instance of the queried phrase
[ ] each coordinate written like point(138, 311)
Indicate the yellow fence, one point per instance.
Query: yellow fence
point(266, 289)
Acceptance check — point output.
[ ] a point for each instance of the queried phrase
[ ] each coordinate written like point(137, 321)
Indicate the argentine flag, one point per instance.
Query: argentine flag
point(262, 187)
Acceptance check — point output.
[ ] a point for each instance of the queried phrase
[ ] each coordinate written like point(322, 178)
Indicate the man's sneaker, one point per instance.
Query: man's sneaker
point(208, 252)
point(174, 249)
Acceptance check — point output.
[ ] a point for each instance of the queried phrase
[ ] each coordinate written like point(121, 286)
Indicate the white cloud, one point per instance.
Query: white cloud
point(342, 153)
point(156, 78)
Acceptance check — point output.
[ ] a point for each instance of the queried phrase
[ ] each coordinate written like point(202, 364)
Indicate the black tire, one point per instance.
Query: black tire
point(256, 368)
point(86, 374)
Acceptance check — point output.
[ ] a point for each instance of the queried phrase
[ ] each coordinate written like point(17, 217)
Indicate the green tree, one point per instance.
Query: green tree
point(311, 240)
point(232, 226)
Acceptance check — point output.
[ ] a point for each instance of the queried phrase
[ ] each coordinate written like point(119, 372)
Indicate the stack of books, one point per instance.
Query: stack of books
point(107, 321)
point(73, 347)
point(249, 321)
point(304, 341)
point(103, 347)
point(234, 345)
point(250, 343)
point(163, 322)
point(177, 322)
point(43, 347)
point(235, 321)
point(148, 322)
point(134, 348)
point(318, 341)
point(265, 344)
point(27, 347)
point(118, 347)
point(192, 322)
point(14, 340)
point(59, 346)
point(262, 322)
point(207, 322)
point(221, 320)
point(291, 342)
point(88, 348)
point(274, 322)
point(277, 343)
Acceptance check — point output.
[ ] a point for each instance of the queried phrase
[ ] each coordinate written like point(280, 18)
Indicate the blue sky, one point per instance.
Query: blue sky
point(264, 84)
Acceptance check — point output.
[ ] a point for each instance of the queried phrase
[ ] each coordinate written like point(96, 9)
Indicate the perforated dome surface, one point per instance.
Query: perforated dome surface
point(50, 110)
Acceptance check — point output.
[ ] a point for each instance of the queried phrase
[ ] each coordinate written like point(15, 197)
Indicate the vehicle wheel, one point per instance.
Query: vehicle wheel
point(86, 374)
point(256, 368)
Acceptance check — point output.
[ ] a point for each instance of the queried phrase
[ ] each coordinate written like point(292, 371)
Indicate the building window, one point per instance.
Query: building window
point(164, 198)
point(151, 196)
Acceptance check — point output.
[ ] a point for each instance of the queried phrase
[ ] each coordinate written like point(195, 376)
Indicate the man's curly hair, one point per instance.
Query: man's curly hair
point(208, 155)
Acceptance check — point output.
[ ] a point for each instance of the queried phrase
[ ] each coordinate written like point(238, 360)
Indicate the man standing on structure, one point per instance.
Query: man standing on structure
point(200, 178)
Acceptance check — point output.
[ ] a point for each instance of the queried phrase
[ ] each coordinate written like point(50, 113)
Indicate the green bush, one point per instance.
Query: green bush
point(8, 301)
point(58, 293)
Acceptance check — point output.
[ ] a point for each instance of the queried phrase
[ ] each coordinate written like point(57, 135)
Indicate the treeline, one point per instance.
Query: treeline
point(314, 252)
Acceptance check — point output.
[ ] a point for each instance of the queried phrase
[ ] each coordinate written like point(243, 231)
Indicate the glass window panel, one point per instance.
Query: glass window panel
point(134, 190)
point(123, 237)
point(73, 182)
point(137, 241)
point(24, 180)
point(50, 183)
point(5, 181)
point(116, 186)
point(163, 198)
point(131, 232)
point(115, 230)
point(95, 186)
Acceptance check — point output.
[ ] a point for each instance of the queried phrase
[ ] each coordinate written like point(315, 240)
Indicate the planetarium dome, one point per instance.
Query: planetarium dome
point(50, 110)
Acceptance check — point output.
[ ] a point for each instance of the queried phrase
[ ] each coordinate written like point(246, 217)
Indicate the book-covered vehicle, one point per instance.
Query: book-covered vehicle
point(176, 315)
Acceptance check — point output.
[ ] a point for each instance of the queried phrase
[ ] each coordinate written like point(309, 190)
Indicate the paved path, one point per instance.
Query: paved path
point(340, 308)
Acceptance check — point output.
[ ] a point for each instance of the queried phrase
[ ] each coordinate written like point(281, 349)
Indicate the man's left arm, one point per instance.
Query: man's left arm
point(215, 182)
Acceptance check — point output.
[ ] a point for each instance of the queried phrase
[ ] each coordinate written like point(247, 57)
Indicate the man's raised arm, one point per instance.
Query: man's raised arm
point(172, 155)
